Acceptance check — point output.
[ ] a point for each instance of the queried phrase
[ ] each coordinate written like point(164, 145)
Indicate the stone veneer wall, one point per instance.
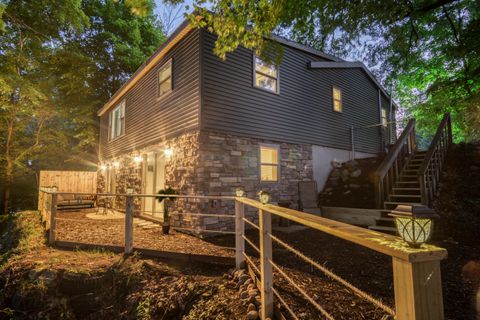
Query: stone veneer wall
point(205, 163)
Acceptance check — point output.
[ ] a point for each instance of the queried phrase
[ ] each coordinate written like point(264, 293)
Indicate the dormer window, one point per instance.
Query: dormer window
point(165, 79)
point(266, 75)
point(117, 121)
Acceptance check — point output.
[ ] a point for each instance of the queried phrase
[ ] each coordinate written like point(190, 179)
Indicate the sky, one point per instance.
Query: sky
point(172, 15)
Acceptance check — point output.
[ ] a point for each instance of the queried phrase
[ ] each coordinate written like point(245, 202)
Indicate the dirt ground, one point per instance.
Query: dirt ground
point(77, 227)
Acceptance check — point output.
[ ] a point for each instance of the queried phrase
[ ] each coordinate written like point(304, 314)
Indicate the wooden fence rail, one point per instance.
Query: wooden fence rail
point(416, 272)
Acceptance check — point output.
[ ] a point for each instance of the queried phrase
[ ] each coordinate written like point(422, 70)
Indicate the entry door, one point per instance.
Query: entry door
point(154, 180)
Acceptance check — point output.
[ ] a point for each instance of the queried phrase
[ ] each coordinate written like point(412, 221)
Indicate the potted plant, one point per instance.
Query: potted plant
point(164, 196)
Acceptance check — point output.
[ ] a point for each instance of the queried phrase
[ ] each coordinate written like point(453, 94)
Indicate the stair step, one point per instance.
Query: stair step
point(406, 189)
point(396, 203)
point(383, 229)
point(405, 195)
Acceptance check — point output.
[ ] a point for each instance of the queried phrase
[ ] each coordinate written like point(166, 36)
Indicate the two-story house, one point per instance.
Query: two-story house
point(189, 120)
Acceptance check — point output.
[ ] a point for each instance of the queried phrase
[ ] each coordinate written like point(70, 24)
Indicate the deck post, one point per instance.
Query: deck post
point(52, 236)
point(129, 224)
point(266, 274)
point(239, 231)
point(418, 290)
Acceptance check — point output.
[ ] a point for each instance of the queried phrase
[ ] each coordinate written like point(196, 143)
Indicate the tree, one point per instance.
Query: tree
point(61, 60)
point(427, 49)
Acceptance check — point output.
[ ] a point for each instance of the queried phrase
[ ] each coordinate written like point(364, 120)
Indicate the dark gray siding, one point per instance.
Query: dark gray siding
point(301, 113)
point(149, 119)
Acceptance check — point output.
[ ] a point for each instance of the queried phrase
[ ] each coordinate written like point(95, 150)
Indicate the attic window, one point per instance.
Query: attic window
point(165, 79)
point(266, 75)
point(337, 99)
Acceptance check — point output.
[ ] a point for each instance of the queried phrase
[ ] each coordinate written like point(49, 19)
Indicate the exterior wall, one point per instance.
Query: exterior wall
point(301, 113)
point(322, 161)
point(149, 118)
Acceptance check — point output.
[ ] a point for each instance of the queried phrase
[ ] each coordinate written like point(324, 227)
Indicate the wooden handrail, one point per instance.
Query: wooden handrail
point(429, 172)
point(397, 147)
point(388, 172)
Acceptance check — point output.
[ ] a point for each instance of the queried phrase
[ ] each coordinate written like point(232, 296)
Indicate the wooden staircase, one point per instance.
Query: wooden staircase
point(408, 175)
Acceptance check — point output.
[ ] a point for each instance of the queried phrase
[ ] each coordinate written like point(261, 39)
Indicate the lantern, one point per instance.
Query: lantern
point(414, 223)
point(168, 152)
point(240, 192)
point(137, 159)
point(264, 196)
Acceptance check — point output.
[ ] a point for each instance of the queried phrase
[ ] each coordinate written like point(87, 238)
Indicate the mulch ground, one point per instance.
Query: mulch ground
point(76, 227)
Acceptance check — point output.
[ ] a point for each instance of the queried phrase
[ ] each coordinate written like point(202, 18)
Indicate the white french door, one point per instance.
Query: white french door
point(153, 181)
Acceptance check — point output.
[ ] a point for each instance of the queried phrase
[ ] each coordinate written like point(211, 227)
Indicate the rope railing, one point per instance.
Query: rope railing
point(299, 289)
point(336, 277)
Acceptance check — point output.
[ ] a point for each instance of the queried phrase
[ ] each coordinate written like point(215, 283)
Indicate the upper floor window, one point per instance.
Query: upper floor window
point(269, 162)
point(117, 121)
point(337, 99)
point(266, 75)
point(384, 117)
point(165, 79)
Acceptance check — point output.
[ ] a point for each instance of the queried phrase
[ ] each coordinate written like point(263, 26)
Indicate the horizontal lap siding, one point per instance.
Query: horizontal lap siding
point(301, 113)
point(149, 119)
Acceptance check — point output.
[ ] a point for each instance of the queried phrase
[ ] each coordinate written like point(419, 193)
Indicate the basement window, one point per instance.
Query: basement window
point(266, 75)
point(269, 162)
point(165, 79)
point(337, 99)
point(117, 121)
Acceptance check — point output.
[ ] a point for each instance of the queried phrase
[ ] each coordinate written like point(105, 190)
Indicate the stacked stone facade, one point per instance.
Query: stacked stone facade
point(207, 163)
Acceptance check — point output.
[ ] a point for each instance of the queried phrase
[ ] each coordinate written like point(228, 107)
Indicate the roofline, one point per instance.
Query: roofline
point(148, 65)
point(302, 47)
point(349, 65)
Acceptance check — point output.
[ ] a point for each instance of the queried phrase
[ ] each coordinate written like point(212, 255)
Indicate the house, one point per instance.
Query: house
point(189, 120)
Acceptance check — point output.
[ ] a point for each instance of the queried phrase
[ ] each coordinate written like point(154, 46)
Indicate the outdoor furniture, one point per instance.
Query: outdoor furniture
point(106, 203)
point(307, 197)
point(73, 201)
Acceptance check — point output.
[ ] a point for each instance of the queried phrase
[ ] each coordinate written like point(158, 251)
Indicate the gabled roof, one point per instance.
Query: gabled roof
point(347, 65)
point(185, 28)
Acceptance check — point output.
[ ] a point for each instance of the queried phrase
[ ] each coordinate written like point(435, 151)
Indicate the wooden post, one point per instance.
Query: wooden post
point(129, 225)
point(239, 231)
point(266, 273)
point(418, 290)
point(53, 223)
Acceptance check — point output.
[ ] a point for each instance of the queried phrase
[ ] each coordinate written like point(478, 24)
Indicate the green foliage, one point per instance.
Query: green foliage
point(61, 60)
point(429, 50)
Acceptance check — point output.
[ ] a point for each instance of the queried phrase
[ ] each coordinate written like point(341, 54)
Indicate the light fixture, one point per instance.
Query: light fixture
point(240, 192)
point(264, 196)
point(138, 159)
point(414, 223)
point(103, 167)
point(168, 152)
point(116, 164)
point(129, 190)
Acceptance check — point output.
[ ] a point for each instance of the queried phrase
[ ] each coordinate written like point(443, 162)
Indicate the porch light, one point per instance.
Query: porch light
point(103, 167)
point(240, 192)
point(138, 159)
point(168, 152)
point(264, 196)
point(129, 190)
point(116, 164)
point(414, 223)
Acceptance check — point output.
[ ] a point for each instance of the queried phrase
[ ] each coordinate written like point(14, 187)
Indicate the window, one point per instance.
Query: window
point(384, 117)
point(269, 164)
point(266, 75)
point(117, 121)
point(337, 99)
point(165, 79)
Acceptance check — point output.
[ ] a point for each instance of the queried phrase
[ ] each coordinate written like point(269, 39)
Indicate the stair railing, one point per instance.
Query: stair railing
point(391, 167)
point(431, 168)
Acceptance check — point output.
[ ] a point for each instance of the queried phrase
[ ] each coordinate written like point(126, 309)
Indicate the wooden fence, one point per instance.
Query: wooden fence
point(416, 272)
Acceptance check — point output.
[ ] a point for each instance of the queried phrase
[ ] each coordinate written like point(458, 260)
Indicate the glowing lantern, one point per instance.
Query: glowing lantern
point(168, 152)
point(414, 223)
point(264, 196)
point(103, 167)
point(240, 192)
point(137, 159)
point(116, 164)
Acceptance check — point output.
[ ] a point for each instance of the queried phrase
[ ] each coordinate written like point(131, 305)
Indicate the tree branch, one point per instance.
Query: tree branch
point(37, 141)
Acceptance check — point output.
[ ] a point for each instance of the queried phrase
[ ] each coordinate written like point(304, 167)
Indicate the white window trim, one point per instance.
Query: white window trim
point(341, 99)
point(272, 146)
point(384, 120)
point(121, 105)
point(277, 88)
point(169, 62)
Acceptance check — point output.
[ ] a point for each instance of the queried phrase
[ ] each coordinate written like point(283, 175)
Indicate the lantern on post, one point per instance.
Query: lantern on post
point(264, 196)
point(414, 223)
point(240, 192)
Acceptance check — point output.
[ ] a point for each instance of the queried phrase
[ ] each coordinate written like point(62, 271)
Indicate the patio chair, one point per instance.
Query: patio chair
point(307, 197)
